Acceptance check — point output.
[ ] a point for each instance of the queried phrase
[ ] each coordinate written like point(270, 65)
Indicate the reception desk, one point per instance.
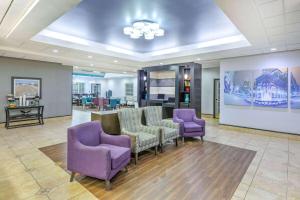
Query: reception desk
point(109, 120)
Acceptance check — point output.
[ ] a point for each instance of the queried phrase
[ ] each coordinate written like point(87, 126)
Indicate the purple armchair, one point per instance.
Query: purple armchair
point(190, 125)
point(92, 152)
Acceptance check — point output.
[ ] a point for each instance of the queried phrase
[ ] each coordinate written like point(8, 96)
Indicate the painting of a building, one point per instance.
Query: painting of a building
point(271, 87)
point(295, 88)
point(237, 88)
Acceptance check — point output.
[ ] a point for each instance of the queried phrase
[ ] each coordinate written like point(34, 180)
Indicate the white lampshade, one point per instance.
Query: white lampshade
point(149, 36)
point(127, 30)
point(138, 24)
point(160, 32)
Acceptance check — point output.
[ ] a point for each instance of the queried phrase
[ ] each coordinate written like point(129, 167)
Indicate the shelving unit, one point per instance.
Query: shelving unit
point(188, 86)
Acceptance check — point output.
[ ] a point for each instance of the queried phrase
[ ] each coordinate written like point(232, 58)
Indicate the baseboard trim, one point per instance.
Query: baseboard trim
point(50, 117)
point(280, 132)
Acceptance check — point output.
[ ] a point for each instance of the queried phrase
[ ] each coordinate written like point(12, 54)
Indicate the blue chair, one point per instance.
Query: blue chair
point(113, 103)
point(86, 101)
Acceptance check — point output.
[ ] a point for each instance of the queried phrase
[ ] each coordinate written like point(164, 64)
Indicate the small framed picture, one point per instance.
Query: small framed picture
point(31, 87)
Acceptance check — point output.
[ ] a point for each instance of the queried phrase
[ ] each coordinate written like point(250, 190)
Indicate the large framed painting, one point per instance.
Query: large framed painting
point(31, 87)
point(295, 88)
point(270, 87)
point(237, 88)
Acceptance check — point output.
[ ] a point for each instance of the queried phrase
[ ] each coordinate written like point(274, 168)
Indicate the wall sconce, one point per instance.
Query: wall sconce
point(145, 78)
point(186, 76)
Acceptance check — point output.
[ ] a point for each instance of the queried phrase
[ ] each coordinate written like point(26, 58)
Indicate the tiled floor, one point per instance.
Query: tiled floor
point(26, 173)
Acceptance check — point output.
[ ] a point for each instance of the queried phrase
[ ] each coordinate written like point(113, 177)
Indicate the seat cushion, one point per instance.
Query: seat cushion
point(118, 154)
point(192, 127)
point(169, 132)
point(147, 139)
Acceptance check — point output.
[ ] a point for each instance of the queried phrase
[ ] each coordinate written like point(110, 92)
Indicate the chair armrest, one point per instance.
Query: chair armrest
point(199, 121)
point(177, 120)
point(98, 160)
point(117, 140)
point(154, 130)
point(134, 138)
point(170, 124)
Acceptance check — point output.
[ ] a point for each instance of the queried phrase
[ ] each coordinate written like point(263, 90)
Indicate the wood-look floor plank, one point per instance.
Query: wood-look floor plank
point(193, 170)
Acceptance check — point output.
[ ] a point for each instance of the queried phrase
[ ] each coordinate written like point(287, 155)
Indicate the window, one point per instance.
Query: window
point(78, 88)
point(96, 89)
point(129, 89)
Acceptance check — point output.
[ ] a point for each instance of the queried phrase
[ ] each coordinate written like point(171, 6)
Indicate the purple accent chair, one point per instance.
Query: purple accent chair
point(190, 125)
point(93, 153)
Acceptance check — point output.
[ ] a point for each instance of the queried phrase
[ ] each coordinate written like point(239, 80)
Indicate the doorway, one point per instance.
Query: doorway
point(216, 113)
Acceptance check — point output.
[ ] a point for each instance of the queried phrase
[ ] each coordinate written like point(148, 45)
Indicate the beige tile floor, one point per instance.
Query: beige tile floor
point(26, 173)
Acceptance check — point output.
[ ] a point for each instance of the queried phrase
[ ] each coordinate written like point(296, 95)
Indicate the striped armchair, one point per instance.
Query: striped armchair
point(142, 137)
point(169, 129)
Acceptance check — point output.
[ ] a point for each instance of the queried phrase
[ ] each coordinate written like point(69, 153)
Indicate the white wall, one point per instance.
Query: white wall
point(275, 119)
point(117, 85)
point(208, 76)
point(88, 80)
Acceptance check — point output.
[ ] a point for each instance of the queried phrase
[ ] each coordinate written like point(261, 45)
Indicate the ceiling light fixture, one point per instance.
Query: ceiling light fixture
point(55, 51)
point(273, 49)
point(115, 61)
point(161, 63)
point(91, 65)
point(198, 59)
point(144, 28)
point(89, 56)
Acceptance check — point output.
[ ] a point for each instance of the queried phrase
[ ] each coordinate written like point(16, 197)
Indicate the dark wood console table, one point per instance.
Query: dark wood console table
point(24, 113)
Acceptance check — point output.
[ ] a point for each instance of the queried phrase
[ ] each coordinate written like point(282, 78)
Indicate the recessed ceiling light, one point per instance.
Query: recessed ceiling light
point(91, 65)
point(161, 63)
point(55, 50)
point(198, 59)
point(124, 72)
point(89, 56)
point(76, 67)
point(273, 49)
point(115, 61)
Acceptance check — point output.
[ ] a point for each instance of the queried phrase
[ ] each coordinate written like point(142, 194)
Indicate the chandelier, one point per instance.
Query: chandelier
point(147, 29)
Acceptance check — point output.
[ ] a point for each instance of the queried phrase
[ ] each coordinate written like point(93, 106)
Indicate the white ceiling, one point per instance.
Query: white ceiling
point(265, 24)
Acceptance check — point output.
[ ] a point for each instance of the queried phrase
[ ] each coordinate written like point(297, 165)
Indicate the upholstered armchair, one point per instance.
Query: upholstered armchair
point(93, 153)
point(190, 125)
point(142, 137)
point(169, 129)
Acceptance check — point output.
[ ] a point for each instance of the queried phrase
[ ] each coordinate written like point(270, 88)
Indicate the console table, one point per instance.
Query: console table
point(27, 114)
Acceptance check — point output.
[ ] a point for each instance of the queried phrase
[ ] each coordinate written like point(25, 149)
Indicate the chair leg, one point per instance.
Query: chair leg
point(136, 156)
point(182, 139)
point(202, 139)
point(72, 176)
point(156, 150)
point(107, 185)
point(161, 148)
point(176, 142)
